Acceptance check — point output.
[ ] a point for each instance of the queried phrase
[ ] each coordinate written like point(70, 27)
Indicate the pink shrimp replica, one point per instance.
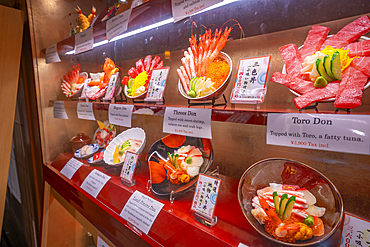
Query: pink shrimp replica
point(198, 57)
point(72, 83)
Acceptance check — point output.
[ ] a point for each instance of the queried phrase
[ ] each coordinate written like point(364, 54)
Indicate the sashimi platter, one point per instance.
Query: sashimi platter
point(328, 68)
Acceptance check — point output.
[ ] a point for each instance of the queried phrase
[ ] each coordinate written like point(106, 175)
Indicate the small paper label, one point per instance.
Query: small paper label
point(182, 9)
point(84, 41)
point(339, 133)
point(141, 211)
point(59, 110)
point(85, 111)
point(101, 243)
point(51, 54)
point(111, 87)
point(188, 121)
point(157, 84)
point(94, 182)
point(129, 165)
point(355, 231)
point(120, 114)
point(117, 24)
point(71, 167)
point(205, 196)
point(251, 80)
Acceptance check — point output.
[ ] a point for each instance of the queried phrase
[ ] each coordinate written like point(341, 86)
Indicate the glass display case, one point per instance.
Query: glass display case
point(238, 130)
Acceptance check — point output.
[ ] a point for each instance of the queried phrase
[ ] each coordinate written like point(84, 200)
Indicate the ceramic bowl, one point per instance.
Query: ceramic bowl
point(133, 133)
point(219, 91)
point(284, 171)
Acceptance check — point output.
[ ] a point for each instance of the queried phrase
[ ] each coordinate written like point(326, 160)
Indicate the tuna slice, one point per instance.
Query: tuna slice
point(359, 48)
point(316, 95)
point(350, 89)
point(315, 38)
point(293, 60)
point(299, 85)
point(349, 33)
point(362, 64)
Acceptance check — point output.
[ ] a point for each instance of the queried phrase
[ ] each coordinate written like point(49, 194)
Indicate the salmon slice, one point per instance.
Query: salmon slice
point(349, 94)
point(349, 33)
point(315, 38)
point(362, 64)
point(361, 48)
point(299, 85)
point(293, 60)
point(316, 95)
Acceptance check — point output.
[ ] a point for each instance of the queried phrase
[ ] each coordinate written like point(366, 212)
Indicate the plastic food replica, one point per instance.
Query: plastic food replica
point(336, 68)
point(131, 145)
point(83, 21)
point(202, 72)
point(138, 80)
point(98, 86)
point(73, 82)
point(288, 212)
point(104, 134)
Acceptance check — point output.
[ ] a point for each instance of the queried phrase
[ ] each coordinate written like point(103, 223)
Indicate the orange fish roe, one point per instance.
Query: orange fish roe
point(218, 71)
point(270, 227)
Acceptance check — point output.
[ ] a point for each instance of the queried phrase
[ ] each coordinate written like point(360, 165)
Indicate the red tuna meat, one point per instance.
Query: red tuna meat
point(299, 85)
point(350, 89)
point(359, 48)
point(293, 60)
point(362, 64)
point(315, 38)
point(349, 33)
point(317, 94)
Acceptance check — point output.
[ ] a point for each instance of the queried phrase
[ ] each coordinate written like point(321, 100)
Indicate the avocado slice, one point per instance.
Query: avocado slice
point(276, 201)
point(283, 202)
point(327, 66)
point(289, 207)
point(336, 67)
point(321, 70)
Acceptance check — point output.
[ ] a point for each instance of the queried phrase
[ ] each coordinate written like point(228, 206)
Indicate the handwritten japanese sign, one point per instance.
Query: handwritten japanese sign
point(251, 80)
point(205, 197)
point(141, 211)
point(111, 86)
point(320, 131)
point(157, 84)
point(129, 165)
point(355, 232)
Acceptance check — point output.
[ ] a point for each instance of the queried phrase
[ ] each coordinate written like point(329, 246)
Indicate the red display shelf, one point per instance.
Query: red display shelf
point(174, 226)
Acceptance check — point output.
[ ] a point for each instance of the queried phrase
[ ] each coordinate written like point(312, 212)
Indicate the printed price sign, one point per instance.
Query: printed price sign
point(129, 165)
point(251, 80)
point(111, 86)
point(141, 211)
point(205, 196)
point(117, 24)
point(59, 110)
point(157, 84)
point(94, 182)
point(71, 167)
point(184, 8)
point(339, 133)
point(84, 41)
point(101, 243)
point(355, 232)
point(120, 114)
point(188, 122)
point(51, 54)
point(85, 111)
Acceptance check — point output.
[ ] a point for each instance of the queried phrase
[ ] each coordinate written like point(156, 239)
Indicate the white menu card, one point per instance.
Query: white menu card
point(355, 231)
point(141, 211)
point(120, 114)
point(329, 132)
point(71, 167)
point(59, 110)
point(84, 41)
point(184, 8)
point(205, 196)
point(117, 24)
point(51, 54)
point(85, 111)
point(188, 122)
point(157, 84)
point(94, 182)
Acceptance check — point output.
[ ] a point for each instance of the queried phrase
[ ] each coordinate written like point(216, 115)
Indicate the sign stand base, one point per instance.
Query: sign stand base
point(128, 183)
point(205, 220)
point(212, 102)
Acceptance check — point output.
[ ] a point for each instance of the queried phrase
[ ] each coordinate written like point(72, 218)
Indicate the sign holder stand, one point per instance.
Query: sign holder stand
point(128, 183)
point(208, 222)
point(212, 102)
